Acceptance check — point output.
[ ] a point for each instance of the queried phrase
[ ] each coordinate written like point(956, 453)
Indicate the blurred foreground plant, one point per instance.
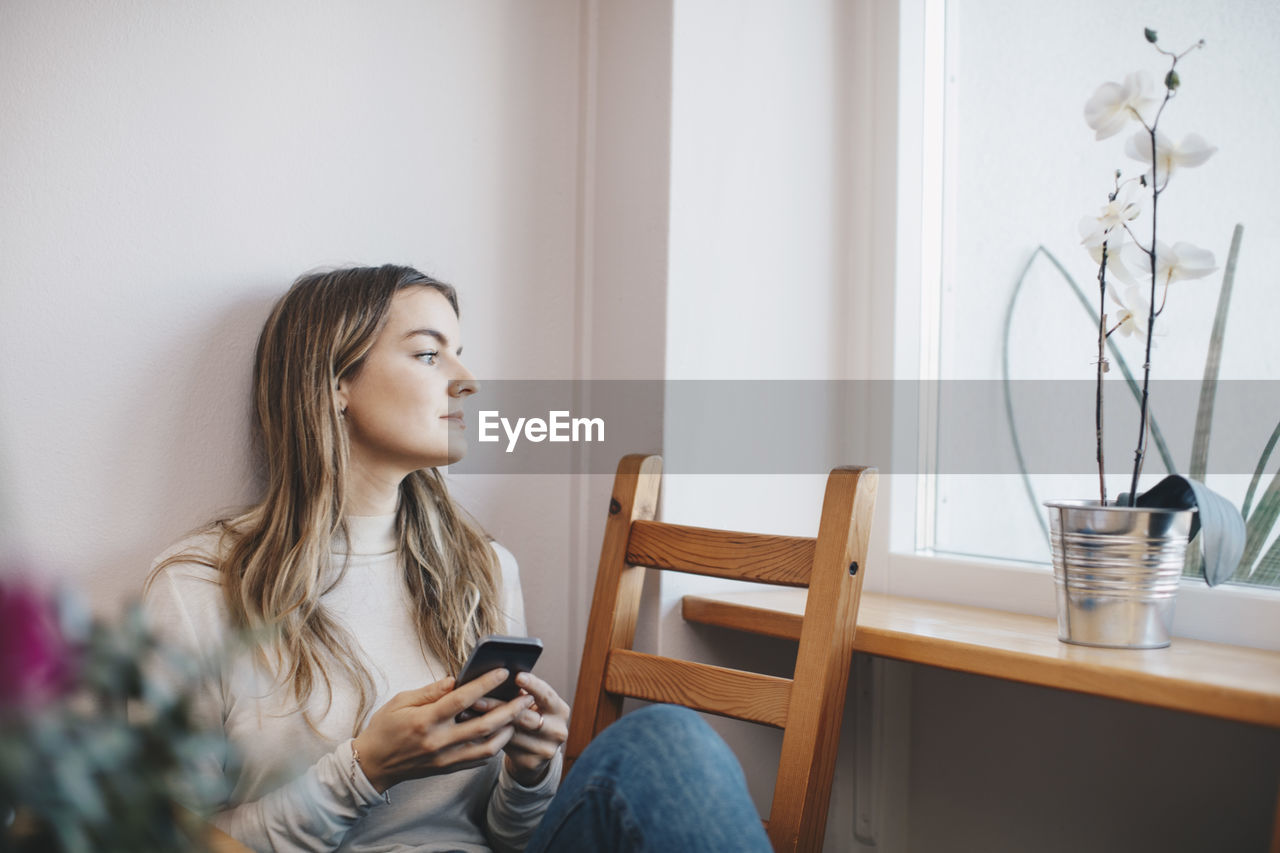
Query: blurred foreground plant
point(97, 738)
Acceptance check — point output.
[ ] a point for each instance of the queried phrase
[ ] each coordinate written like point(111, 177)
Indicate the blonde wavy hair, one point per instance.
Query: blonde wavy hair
point(274, 558)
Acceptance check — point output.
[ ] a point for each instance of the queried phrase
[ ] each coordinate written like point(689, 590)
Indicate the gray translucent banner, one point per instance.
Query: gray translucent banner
point(809, 427)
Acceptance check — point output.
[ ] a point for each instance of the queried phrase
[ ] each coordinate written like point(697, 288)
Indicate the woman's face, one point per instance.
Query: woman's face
point(403, 408)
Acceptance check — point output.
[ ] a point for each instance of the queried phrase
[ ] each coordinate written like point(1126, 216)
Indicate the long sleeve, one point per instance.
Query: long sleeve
point(313, 812)
point(514, 811)
point(316, 809)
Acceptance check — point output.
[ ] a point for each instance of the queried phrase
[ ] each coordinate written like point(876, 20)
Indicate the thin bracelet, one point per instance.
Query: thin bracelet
point(355, 763)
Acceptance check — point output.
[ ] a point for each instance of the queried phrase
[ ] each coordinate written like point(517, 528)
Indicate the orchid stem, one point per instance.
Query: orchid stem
point(1140, 453)
point(1102, 355)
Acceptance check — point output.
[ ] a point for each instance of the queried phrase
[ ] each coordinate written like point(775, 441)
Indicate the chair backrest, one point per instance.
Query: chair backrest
point(808, 708)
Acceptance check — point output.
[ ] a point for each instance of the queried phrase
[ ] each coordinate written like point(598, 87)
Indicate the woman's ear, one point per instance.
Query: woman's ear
point(340, 395)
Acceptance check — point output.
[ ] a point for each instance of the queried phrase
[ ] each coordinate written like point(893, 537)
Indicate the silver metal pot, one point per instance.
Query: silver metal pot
point(1116, 572)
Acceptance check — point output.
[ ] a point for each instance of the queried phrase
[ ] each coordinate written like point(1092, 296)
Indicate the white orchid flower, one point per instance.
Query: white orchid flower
point(1191, 151)
point(1117, 250)
point(1179, 262)
point(1113, 104)
point(1110, 221)
point(1135, 310)
point(1183, 261)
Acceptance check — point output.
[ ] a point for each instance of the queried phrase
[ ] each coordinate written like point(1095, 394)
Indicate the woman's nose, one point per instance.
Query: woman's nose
point(463, 385)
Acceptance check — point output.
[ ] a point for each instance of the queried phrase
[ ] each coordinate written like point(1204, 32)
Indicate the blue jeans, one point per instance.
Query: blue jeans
point(659, 779)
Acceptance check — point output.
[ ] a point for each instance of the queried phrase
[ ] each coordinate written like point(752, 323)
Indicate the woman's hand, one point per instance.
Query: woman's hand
point(415, 733)
point(539, 731)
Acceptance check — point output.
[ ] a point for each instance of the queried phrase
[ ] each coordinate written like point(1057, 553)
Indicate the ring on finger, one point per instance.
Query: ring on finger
point(541, 720)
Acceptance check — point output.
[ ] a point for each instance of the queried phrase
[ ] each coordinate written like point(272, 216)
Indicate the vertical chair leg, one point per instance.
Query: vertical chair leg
point(616, 596)
point(798, 818)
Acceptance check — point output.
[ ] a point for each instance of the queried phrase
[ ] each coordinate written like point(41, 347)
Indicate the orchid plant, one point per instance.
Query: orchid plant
point(1229, 547)
point(1110, 237)
point(1148, 267)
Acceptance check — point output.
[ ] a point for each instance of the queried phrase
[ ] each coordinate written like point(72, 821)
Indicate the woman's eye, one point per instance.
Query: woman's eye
point(429, 357)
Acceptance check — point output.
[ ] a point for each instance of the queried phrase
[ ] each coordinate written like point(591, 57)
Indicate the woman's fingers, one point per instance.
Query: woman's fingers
point(531, 720)
point(549, 701)
point(474, 752)
point(533, 744)
point(502, 716)
point(465, 696)
point(426, 695)
point(538, 734)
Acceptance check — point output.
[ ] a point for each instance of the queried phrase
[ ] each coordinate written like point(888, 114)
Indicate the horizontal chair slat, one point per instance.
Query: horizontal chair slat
point(715, 689)
point(783, 560)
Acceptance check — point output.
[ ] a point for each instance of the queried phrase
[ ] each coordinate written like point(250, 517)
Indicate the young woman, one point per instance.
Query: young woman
point(363, 586)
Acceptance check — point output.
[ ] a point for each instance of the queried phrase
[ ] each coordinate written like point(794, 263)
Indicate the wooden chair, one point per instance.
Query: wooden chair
point(808, 707)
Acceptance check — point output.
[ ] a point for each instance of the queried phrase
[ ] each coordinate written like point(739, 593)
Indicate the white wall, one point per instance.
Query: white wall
point(167, 169)
point(761, 288)
point(623, 221)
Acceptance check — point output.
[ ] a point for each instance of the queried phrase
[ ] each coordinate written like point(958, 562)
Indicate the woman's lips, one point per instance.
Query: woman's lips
point(455, 420)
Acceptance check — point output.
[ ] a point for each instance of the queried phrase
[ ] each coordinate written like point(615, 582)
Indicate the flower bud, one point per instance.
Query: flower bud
point(1171, 80)
point(1150, 34)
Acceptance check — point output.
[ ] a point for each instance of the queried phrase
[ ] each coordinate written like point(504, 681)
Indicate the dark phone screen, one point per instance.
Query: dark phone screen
point(515, 654)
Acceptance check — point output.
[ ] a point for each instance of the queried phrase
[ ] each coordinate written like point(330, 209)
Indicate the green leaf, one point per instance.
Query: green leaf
point(1258, 471)
point(1150, 34)
point(1260, 524)
point(1171, 80)
point(1267, 572)
point(1209, 386)
point(1212, 362)
point(1004, 382)
point(1218, 521)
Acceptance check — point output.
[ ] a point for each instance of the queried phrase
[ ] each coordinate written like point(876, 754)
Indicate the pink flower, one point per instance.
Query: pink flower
point(36, 662)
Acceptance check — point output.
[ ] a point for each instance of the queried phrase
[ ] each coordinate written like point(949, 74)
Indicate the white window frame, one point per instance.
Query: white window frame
point(1227, 614)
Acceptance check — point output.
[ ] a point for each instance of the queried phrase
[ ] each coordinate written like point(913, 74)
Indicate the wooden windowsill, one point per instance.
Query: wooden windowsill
point(1231, 682)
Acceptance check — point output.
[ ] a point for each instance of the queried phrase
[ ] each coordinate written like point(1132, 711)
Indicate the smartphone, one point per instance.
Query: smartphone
point(514, 654)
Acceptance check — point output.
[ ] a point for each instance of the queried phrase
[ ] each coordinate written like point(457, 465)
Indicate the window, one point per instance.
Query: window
point(995, 161)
